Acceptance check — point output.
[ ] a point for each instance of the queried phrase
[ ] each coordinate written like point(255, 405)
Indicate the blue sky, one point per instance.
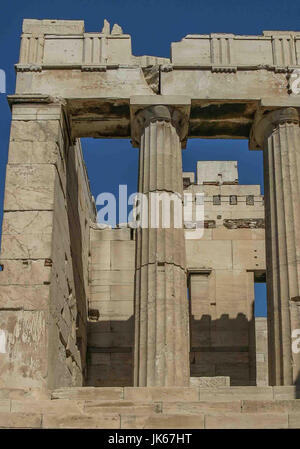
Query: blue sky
point(153, 25)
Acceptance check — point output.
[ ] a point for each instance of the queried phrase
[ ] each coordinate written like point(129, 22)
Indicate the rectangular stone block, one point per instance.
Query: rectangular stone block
point(278, 406)
point(88, 393)
point(23, 360)
point(27, 222)
point(47, 26)
point(99, 293)
point(287, 392)
point(238, 234)
point(20, 420)
point(115, 310)
point(217, 381)
point(20, 272)
point(47, 406)
point(248, 254)
point(122, 407)
point(34, 130)
point(29, 187)
point(81, 421)
point(110, 234)
point(236, 393)
point(113, 277)
point(168, 394)
point(162, 422)
point(294, 420)
point(122, 292)
point(31, 152)
point(122, 255)
point(111, 339)
point(24, 393)
point(209, 254)
point(247, 421)
point(58, 50)
point(5, 405)
point(201, 407)
point(26, 246)
point(25, 297)
point(100, 254)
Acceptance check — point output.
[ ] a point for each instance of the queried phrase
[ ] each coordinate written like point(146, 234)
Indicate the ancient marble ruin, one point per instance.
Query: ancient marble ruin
point(147, 327)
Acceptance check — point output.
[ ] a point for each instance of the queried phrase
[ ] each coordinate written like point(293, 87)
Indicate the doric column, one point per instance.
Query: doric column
point(161, 355)
point(278, 133)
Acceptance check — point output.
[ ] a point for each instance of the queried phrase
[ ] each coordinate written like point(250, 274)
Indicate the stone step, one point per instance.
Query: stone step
point(63, 420)
point(178, 394)
point(96, 407)
point(122, 407)
point(154, 407)
point(247, 421)
point(277, 406)
point(212, 421)
point(89, 393)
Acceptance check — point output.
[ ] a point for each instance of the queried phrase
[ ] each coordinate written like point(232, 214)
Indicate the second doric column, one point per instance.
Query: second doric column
point(161, 356)
point(278, 133)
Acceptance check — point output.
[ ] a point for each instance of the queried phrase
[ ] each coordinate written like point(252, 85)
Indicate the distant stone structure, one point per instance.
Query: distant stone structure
point(147, 327)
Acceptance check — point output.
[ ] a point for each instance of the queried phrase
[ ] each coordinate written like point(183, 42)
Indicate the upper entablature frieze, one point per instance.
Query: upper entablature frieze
point(61, 44)
point(274, 50)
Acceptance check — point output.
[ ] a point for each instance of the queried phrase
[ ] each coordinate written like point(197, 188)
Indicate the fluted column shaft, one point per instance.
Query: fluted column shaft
point(161, 355)
point(281, 135)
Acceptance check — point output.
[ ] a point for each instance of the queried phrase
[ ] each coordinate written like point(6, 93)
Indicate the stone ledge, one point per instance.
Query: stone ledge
point(218, 381)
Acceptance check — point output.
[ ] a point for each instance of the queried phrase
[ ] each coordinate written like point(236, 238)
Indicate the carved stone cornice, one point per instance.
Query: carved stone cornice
point(172, 109)
point(266, 121)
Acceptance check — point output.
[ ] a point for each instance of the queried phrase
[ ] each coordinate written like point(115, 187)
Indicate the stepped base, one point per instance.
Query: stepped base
point(152, 408)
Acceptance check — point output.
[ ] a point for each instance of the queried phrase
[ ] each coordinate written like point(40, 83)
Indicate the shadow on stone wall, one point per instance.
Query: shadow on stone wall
point(218, 348)
point(110, 353)
point(224, 347)
point(76, 248)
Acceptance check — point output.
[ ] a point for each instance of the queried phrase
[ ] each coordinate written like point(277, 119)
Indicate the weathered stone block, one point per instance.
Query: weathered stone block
point(5, 405)
point(53, 26)
point(25, 297)
point(31, 152)
point(88, 393)
point(35, 130)
point(26, 246)
point(122, 407)
point(122, 255)
point(47, 406)
point(81, 421)
point(247, 421)
point(20, 420)
point(170, 394)
point(219, 381)
point(24, 360)
point(29, 187)
point(286, 392)
point(206, 407)
point(277, 406)
point(163, 422)
point(236, 393)
point(294, 420)
point(28, 272)
point(100, 254)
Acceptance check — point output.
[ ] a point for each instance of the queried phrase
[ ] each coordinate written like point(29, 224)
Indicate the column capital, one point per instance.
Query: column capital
point(266, 120)
point(174, 109)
